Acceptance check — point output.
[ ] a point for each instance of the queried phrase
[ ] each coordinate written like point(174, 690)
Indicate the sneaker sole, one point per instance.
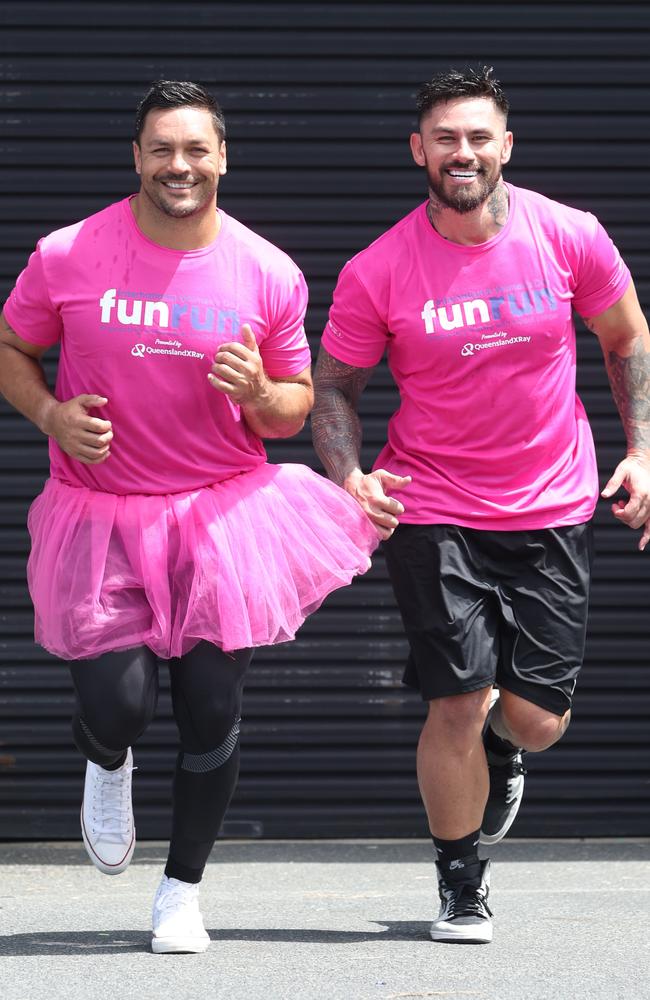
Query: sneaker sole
point(463, 935)
point(99, 863)
point(176, 946)
point(487, 839)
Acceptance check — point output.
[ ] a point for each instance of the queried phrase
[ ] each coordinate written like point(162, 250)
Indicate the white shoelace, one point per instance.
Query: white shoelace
point(112, 806)
point(177, 895)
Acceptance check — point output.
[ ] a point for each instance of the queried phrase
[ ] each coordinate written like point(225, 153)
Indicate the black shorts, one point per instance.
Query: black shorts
point(483, 607)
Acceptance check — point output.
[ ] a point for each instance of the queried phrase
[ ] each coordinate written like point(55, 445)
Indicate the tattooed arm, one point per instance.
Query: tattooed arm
point(625, 342)
point(336, 431)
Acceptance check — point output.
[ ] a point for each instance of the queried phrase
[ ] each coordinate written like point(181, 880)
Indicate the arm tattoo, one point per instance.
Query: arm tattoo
point(336, 428)
point(629, 378)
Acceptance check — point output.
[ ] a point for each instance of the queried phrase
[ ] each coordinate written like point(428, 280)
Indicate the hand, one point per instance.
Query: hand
point(371, 493)
point(238, 370)
point(633, 473)
point(81, 436)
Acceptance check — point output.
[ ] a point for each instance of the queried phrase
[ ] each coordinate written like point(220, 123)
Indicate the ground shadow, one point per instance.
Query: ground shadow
point(100, 943)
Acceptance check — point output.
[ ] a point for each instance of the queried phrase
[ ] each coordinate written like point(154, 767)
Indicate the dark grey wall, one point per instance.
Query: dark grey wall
point(319, 101)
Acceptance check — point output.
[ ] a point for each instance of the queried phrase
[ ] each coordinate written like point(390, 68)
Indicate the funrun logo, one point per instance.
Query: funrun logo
point(163, 315)
point(496, 308)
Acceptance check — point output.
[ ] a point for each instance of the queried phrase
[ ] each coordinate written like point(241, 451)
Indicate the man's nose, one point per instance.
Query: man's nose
point(178, 162)
point(464, 149)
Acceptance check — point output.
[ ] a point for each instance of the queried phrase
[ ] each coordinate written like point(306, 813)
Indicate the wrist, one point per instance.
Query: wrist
point(352, 479)
point(639, 455)
point(45, 416)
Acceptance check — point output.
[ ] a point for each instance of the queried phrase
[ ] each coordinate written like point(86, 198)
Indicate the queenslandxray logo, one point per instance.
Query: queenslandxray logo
point(491, 340)
point(169, 348)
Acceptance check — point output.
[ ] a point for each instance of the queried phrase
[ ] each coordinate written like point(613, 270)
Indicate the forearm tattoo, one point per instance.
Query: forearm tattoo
point(336, 428)
point(629, 378)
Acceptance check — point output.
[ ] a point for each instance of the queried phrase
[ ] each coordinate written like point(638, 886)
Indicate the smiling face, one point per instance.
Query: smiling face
point(462, 144)
point(180, 158)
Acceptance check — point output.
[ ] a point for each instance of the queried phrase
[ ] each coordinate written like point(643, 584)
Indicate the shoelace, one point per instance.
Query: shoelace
point(501, 774)
point(466, 900)
point(113, 807)
point(176, 895)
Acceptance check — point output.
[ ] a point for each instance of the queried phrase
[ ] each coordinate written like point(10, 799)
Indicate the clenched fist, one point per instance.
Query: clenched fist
point(81, 436)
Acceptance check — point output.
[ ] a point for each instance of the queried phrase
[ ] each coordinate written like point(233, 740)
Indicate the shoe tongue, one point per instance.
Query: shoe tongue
point(466, 870)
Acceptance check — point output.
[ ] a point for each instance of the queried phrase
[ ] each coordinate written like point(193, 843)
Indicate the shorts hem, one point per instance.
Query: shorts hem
point(427, 695)
point(537, 694)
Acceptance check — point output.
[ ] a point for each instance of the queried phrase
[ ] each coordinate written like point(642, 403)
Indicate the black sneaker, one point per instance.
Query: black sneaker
point(504, 799)
point(464, 915)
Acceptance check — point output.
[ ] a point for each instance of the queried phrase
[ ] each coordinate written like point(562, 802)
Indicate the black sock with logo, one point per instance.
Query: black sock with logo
point(458, 860)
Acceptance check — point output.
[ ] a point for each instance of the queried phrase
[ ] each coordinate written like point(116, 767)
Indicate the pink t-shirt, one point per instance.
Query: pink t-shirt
point(481, 343)
point(140, 324)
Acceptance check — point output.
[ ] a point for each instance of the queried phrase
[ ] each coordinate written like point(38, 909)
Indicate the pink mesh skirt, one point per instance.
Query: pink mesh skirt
point(241, 563)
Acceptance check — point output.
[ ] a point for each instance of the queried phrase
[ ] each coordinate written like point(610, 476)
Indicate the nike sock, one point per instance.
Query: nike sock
point(458, 860)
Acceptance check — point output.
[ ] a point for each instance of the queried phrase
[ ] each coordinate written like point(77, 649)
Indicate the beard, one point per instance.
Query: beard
point(464, 199)
point(201, 195)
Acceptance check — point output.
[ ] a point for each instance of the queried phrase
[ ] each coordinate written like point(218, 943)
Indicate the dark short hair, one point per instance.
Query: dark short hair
point(471, 82)
point(178, 94)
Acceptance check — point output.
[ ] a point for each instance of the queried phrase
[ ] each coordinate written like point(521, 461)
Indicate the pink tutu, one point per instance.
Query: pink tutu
point(241, 563)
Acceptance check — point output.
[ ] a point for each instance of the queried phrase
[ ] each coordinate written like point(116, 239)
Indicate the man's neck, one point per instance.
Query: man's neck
point(190, 233)
point(471, 228)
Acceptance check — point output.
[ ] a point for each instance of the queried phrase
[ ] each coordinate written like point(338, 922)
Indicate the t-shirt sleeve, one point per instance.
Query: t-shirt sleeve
point(602, 276)
point(29, 310)
point(355, 333)
point(285, 350)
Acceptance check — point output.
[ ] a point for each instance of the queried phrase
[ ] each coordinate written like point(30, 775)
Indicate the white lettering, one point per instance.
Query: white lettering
point(106, 304)
point(456, 317)
point(471, 307)
point(427, 315)
point(474, 310)
point(163, 313)
point(136, 312)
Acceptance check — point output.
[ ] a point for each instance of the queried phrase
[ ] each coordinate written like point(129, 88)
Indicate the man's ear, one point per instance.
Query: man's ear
point(417, 151)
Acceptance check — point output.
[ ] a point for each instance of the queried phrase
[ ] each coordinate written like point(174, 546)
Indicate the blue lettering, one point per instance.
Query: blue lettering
point(228, 316)
point(526, 306)
point(177, 312)
point(541, 295)
point(208, 323)
point(496, 304)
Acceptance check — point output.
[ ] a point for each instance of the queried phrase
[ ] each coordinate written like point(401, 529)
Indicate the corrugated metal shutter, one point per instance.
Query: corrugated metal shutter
point(319, 102)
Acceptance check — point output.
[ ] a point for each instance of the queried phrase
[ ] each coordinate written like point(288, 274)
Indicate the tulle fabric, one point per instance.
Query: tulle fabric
point(241, 563)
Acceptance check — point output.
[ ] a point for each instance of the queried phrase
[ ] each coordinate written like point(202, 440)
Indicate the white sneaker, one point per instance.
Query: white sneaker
point(107, 816)
point(177, 921)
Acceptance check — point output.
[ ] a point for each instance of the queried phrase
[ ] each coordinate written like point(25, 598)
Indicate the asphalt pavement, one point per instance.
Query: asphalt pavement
point(329, 920)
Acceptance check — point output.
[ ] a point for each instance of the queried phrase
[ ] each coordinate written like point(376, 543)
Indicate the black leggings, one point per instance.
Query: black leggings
point(116, 700)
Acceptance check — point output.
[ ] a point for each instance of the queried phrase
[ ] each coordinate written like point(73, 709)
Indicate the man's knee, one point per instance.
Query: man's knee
point(220, 750)
point(530, 726)
point(457, 720)
point(116, 728)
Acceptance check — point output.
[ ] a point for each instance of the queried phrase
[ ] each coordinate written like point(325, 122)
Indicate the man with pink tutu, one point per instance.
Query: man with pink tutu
point(163, 533)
